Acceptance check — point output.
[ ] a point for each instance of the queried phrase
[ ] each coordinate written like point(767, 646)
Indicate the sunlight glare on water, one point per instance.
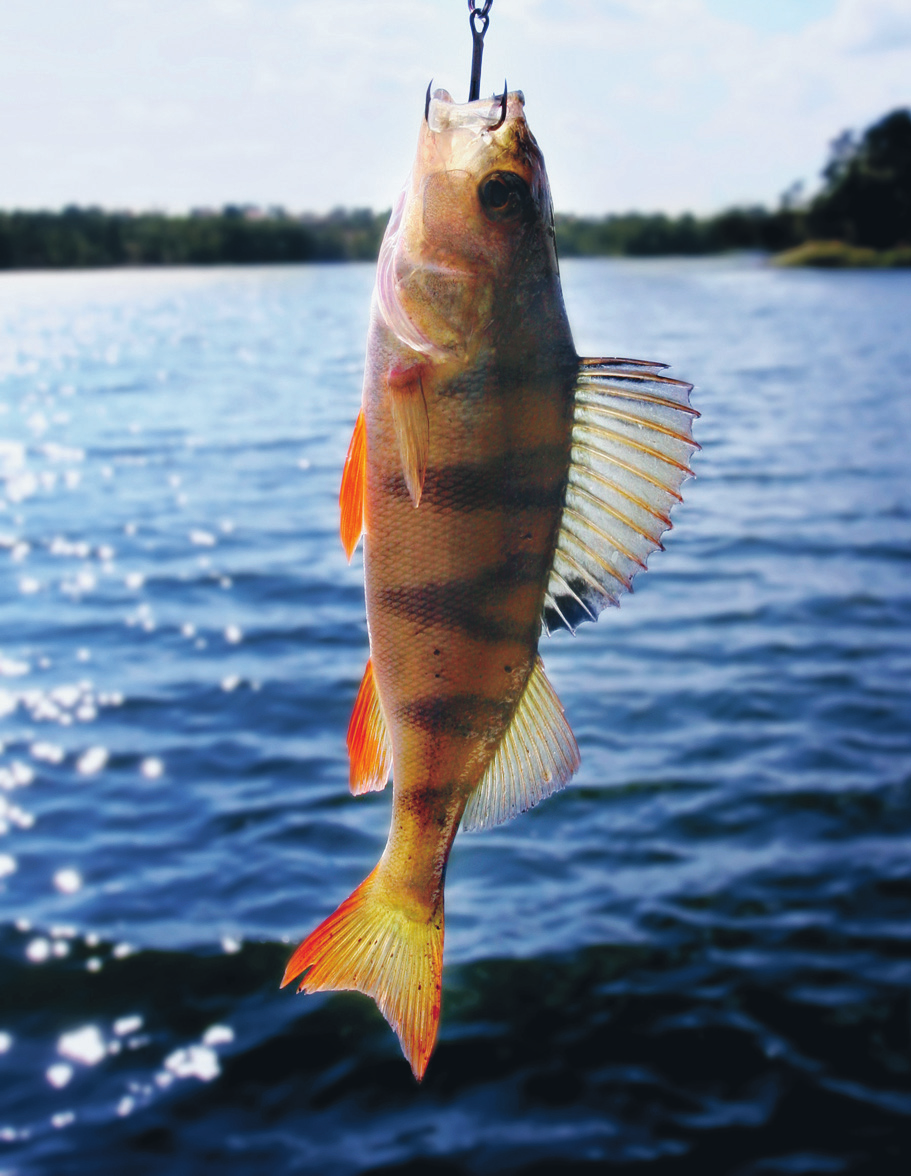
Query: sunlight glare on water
point(697, 955)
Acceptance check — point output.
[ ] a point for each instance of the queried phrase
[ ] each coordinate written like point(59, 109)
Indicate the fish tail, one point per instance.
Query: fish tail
point(372, 945)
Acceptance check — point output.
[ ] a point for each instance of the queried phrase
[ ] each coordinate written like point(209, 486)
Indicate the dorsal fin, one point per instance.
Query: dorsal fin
point(369, 748)
point(536, 757)
point(354, 483)
point(631, 444)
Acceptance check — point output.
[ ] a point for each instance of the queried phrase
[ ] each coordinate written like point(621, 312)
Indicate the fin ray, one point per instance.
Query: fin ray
point(583, 497)
point(354, 483)
point(369, 747)
point(630, 418)
point(575, 568)
point(536, 757)
point(612, 487)
point(617, 363)
point(628, 467)
point(370, 945)
point(649, 399)
point(558, 579)
point(412, 427)
point(599, 433)
point(631, 445)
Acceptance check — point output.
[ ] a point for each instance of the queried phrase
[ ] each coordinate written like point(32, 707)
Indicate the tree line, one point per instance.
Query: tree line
point(86, 237)
point(864, 201)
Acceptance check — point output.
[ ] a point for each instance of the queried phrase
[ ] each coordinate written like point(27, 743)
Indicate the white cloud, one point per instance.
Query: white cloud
point(636, 103)
point(874, 26)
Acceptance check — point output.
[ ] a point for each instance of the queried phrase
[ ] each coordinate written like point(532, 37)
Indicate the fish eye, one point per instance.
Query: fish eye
point(504, 196)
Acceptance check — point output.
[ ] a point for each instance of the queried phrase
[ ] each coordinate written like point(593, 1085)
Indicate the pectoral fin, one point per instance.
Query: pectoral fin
point(631, 444)
point(354, 483)
point(412, 427)
point(537, 756)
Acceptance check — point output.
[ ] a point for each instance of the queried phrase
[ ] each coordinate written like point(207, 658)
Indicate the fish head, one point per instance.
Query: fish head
point(472, 236)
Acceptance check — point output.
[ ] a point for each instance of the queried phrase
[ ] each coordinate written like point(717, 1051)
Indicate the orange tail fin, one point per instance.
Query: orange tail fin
point(372, 946)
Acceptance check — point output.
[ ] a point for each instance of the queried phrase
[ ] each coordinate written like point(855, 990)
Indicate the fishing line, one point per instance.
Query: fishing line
point(478, 19)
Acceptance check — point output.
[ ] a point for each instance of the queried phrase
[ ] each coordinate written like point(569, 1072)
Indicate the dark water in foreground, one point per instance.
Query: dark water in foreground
point(697, 959)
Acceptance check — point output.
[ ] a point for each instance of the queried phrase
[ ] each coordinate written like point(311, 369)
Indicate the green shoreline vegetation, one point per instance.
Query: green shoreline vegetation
point(91, 237)
point(838, 255)
point(860, 217)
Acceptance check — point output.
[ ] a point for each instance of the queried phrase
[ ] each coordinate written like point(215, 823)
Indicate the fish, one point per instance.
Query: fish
point(504, 487)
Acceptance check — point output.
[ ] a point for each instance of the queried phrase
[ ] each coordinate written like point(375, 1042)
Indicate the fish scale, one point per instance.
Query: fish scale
point(501, 484)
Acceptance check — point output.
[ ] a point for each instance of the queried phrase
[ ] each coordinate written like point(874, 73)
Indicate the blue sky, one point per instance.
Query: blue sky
point(645, 104)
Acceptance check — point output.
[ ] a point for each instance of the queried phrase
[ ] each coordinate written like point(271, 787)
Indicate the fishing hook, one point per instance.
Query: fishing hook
point(427, 102)
point(479, 19)
point(496, 126)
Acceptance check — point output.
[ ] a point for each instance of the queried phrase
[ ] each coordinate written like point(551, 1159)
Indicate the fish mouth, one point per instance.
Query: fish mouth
point(484, 114)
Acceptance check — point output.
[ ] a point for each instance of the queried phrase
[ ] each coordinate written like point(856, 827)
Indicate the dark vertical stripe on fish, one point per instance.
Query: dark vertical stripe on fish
point(463, 715)
point(464, 604)
point(508, 486)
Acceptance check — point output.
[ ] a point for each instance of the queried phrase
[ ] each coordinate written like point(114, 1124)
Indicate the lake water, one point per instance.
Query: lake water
point(696, 959)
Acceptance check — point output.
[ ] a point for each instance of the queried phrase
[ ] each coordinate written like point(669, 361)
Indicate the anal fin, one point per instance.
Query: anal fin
point(354, 484)
point(537, 756)
point(369, 748)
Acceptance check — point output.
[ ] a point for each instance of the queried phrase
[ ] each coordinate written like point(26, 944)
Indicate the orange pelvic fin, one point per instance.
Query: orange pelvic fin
point(412, 426)
point(372, 946)
point(354, 484)
point(369, 748)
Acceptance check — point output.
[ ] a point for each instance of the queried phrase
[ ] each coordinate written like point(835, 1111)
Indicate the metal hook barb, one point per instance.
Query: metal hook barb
point(479, 19)
point(427, 103)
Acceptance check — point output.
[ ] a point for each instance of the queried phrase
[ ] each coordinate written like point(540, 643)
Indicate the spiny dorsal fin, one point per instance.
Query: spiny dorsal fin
point(354, 483)
point(371, 945)
point(537, 756)
point(412, 427)
point(369, 748)
point(631, 444)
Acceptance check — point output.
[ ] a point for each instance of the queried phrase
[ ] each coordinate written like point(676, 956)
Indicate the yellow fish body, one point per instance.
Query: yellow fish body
point(499, 482)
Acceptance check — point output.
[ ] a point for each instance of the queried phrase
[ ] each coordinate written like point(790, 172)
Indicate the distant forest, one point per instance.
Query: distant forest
point(86, 237)
point(864, 202)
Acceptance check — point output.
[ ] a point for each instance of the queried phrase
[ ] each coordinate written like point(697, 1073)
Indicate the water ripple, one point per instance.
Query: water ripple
point(696, 957)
